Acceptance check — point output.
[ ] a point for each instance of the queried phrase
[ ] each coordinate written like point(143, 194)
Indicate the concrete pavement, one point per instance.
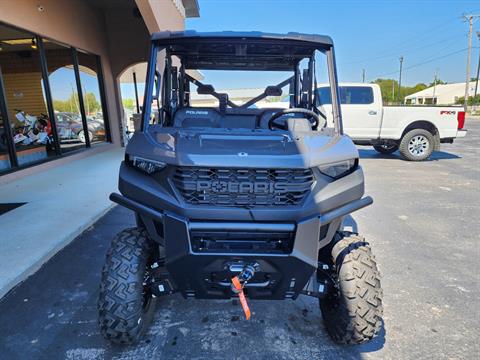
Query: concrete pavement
point(60, 204)
point(423, 228)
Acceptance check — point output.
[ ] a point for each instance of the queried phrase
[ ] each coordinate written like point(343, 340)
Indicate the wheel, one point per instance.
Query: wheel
point(386, 149)
point(353, 311)
point(417, 145)
point(81, 136)
point(125, 306)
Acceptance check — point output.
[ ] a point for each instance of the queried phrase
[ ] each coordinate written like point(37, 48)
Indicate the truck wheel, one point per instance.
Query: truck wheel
point(125, 307)
point(353, 311)
point(417, 145)
point(386, 149)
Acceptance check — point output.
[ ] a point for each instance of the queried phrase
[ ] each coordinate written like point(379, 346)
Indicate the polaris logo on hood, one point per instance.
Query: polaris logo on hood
point(242, 187)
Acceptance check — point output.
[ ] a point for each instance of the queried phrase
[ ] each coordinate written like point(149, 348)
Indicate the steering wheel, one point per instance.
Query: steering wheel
point(311, 116)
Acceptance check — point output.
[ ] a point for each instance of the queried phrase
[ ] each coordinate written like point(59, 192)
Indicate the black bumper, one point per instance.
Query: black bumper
point(200, 255)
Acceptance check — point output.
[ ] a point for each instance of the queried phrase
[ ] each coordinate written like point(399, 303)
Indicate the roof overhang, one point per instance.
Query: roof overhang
point(192, 9)
point(241, 50)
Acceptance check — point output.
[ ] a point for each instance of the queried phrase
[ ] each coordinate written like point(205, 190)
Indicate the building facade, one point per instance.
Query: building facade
point(60, 65)
point(442, 94)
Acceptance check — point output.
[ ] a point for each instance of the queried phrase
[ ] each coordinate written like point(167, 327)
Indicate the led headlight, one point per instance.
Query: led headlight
point(147, 165)
point(339, 169)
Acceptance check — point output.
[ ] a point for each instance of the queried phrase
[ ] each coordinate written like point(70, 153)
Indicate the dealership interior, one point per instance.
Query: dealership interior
point(52, 100)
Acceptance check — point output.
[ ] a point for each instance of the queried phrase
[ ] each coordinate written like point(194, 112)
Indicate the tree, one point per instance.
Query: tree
point(91, 103)
point(128, 103)
point(439, 82)
point(389, 88)
point(470, 100)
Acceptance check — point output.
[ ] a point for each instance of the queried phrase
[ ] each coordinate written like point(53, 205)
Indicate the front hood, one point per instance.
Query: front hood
point(241, 148)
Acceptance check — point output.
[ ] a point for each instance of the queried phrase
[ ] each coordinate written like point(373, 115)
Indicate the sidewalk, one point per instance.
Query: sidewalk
point(60, 204)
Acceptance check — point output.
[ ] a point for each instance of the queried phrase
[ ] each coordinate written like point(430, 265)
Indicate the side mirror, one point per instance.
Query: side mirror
point(273, 91)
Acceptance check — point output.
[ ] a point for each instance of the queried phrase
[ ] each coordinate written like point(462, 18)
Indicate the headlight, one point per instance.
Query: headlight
point(147, 165)
point(339, 169)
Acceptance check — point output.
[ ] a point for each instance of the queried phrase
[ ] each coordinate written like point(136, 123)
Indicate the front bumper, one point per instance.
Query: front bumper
point(200, 255)
point(461, 133)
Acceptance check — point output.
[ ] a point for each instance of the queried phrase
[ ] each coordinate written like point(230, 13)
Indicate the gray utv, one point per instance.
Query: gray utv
point(234, 200)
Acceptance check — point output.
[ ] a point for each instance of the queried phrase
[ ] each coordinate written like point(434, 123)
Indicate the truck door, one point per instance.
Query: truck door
point(361, 110)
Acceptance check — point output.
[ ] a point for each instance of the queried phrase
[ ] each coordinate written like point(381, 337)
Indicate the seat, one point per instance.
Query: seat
point(190, 117)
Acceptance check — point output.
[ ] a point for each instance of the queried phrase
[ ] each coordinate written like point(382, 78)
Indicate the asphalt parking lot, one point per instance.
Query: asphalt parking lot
point(423, 228)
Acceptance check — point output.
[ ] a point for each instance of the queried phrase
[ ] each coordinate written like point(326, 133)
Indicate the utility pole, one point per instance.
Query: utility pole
point(434, 86)
point(400, 79)
point(393, 92)
point(470, 19)
point(476, 81)
point(363, 75)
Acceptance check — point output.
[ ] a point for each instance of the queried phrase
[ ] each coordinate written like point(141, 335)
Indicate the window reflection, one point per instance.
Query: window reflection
point(4, 158)
point(22, 79)
point(91, 97)
point(61, 76)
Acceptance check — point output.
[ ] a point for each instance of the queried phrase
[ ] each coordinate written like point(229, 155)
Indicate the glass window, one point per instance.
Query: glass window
point(22, 78)
point(323, 96)
point(353, 95)
point(61, 76)
point(132, 87)
point(4, 157)
point(91, 96)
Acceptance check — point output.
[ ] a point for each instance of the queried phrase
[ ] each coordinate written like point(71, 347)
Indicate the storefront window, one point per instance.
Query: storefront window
point(91, 97)
point(61, 76)
point(27, 134)
point(26, 107)
point(4, 157)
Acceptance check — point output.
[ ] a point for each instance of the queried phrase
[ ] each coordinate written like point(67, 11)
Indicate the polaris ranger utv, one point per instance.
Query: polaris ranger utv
point(234, 200)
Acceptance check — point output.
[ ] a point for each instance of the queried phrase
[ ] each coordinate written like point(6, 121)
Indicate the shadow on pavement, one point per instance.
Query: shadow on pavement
point(436, 155)
point(53, 315)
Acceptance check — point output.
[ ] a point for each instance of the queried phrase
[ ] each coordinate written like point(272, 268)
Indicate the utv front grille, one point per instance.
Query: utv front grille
point(243, 187)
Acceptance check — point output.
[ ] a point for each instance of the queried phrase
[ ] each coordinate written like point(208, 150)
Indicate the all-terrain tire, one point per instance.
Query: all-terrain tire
point(353, 312)
point(417, 145)
point(386, 149)
point(125, 310)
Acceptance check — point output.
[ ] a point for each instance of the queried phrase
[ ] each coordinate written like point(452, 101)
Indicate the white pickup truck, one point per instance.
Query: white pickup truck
point(414, 130)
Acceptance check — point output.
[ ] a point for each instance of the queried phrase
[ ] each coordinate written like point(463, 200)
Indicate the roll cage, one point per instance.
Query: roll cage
point(235, 51)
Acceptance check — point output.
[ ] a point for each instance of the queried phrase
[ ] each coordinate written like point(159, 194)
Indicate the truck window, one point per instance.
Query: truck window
point(355, 95)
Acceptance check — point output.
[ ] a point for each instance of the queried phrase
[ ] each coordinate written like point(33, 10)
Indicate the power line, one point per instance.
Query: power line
point(422, 63)
point(395, 54)
point(400, 47)
point(426, 33)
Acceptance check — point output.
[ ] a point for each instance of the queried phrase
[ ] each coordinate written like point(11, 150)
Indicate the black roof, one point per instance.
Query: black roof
point(241, 50)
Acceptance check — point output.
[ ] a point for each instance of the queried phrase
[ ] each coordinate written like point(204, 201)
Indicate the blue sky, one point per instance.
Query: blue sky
point(369, 35)
point(62, 83)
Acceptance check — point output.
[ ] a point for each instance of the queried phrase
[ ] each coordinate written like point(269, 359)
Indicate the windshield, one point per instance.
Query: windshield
point(241, 87)
point(229, 85)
